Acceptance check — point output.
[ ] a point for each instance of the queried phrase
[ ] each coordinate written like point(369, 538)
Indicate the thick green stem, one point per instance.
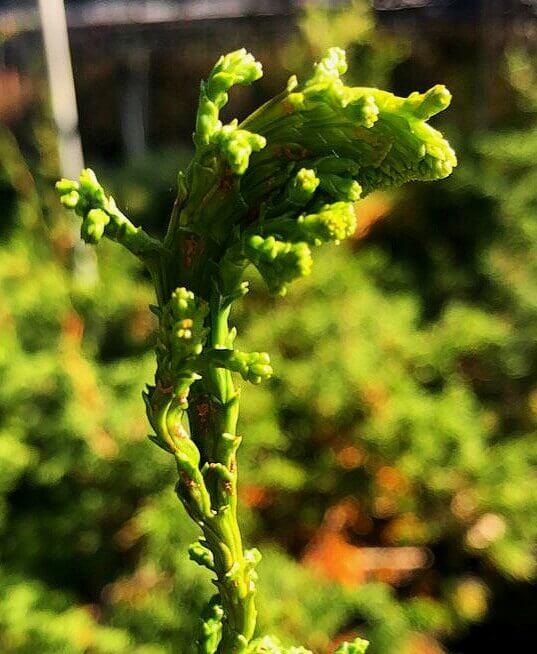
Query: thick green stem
point(235, 577)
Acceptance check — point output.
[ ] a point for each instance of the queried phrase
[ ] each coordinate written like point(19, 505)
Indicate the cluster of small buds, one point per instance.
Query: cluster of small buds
point(87, 198)
point(83, 195)
point(296, 194)
point(279, 262)
point(252, 366)
point(236, 145)
point(302, 187)
point(325, 87)
point(182, 332)
point(333, 222)
point(101, 216)
point(238, 67)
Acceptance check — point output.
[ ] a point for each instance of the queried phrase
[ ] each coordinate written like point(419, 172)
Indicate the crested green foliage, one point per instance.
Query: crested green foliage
point(264, 192)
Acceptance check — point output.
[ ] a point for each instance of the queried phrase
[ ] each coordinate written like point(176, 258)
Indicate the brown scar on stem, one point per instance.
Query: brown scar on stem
point(295, 155)
point(287, 107)
point(182, 399)
point(192, 247)
point(226, 181)
point(187, 481)
point(189, 250)
point(165, 390)
point(291, 154)
point(203, 410)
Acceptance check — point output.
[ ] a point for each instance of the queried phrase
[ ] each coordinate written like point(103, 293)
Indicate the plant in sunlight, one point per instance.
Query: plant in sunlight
point(265, 193)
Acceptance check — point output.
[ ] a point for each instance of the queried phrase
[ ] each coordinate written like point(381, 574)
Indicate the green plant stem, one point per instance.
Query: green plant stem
point(213, 410)
point(234, 583)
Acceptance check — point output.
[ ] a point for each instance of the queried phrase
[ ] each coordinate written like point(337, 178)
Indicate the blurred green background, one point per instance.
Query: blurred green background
point(389, 468)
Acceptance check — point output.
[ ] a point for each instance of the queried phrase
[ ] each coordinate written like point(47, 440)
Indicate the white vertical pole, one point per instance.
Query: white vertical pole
point(62, 87)
point(65, 113)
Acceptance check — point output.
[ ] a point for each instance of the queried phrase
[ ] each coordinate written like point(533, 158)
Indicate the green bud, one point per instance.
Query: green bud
point(428, 104)
point(211, 628)
point(325, 87)
point(70, 200)
point(207, 121)
point(236, 146)
point(91, 189)
point(279, 262)
point(334, 222)
point(331, 66)
point(297, 193)
point(255, 366)
point(182, 332)
point(93, 225)
point(302, 187)
point(358, 646)
point(64, 186)
point(237, 67)
point(87, 198)
point(201, 555)
point(240, 66)
point(252, 366)
point(364, 110)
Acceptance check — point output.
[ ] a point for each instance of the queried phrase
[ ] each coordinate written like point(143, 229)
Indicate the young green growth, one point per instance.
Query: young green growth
point(266, 192)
